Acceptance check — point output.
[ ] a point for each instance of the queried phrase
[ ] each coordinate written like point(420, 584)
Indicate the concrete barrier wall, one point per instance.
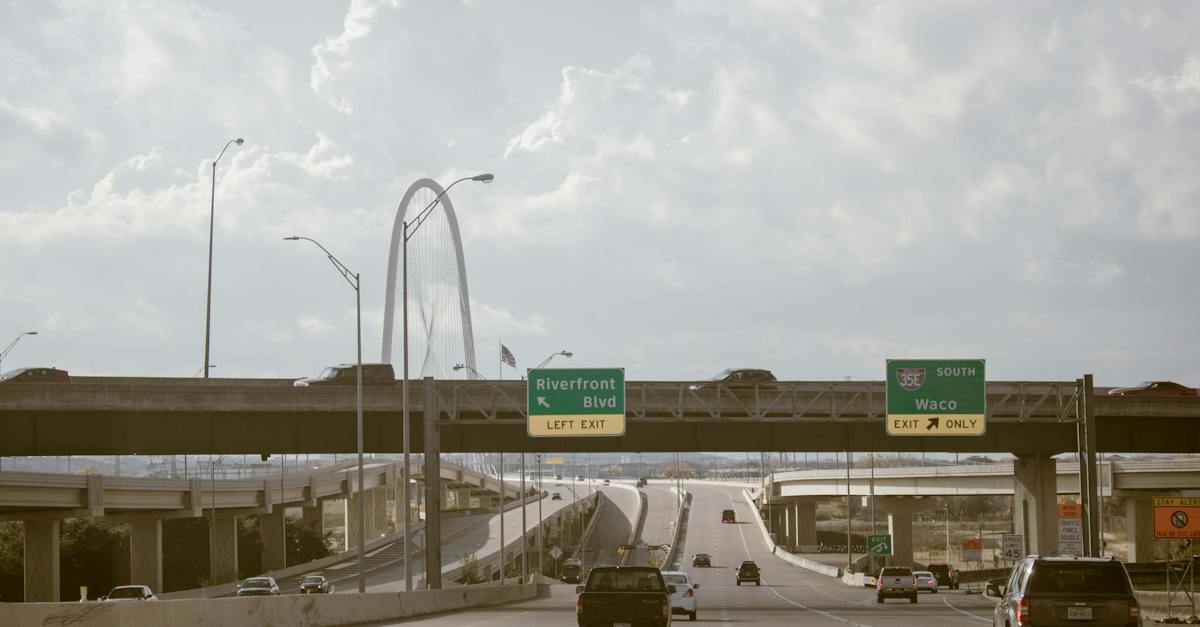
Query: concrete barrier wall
point(325, 610)
point(794, 560)
point(680, 515)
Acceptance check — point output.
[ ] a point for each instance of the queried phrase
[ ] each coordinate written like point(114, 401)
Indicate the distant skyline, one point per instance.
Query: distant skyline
point(809, 187)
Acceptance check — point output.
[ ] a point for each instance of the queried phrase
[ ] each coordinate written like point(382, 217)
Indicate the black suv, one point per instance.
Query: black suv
point(748, 572)
point(1066, 591)
point(946, 575)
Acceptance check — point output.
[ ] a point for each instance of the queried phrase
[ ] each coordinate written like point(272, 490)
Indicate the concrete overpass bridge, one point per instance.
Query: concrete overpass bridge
point(900, 492)
point(42, 500)
point(127, 416)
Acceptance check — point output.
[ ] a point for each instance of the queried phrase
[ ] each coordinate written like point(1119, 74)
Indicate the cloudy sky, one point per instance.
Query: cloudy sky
point(680, 187)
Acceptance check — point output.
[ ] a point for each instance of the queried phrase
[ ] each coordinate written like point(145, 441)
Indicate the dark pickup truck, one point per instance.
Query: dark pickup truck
point(624, 595)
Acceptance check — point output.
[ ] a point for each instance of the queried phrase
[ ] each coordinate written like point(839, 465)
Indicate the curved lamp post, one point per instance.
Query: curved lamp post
point(212, 209)
point(353, 279)
point(11, 345)
point(409, 228)
point(473, 371)
point(566, 354)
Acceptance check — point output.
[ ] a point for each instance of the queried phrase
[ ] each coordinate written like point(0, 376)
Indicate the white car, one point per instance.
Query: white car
point(130, 593)
point(683, 600)
point(926, 581)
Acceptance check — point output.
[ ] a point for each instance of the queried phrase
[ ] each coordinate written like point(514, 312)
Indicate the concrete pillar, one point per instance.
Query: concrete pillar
point(350, 515)
point(779, 523)
point(41, 560)
point(379, 517)
point(900, 526)
point(222, 553)
point(145, 553)
point(1035, 503)
point(273, 536)
point(1139, 529)
point(805, 515)
point(315, 517)
point(434, 489)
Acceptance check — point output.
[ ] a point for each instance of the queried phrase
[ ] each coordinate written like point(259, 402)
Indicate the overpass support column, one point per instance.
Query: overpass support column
point(145, 553)
point(1035, 503)
point(222, 553)
point(1139, 527)
point(433, 488)
point(802, 524)
point(899, 512)
point(272, 534)
point(314, 516)
point(41, 560)
point(350, 515)
point(778, 523)
point(378, 514)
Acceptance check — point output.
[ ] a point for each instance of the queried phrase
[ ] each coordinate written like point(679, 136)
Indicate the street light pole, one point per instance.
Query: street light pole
point(11, 345)
point(541, 521)
point(405, 235)
point(471, 370)
point(545, 361)
point(212, 211)
point(353, 278)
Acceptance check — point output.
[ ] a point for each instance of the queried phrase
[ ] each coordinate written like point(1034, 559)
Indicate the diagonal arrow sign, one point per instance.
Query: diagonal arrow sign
point(542, 401)
point(933, 423)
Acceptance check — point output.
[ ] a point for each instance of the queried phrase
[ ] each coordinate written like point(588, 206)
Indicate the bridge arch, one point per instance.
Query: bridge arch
point(464, 300)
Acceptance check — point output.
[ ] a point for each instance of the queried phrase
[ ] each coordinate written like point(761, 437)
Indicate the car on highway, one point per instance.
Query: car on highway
point(39, 374)
point(606, 482)
point(641, 482)
point(683, 599)
point(728, 516)
point(926, 581)
point(572, 570)
point(1155, 388)
point(624, 594)
point(896, 581)
point(347, 374)
point(740, 379)
point(556, 497)
point(947, 575)
point(315, 584)
point(702, 559)
point(130, 593)
point(748, 571)
point(1066, 591)
point(257, 586)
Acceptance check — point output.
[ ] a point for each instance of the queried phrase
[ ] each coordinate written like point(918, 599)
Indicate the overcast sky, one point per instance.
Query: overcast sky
point(680, 187)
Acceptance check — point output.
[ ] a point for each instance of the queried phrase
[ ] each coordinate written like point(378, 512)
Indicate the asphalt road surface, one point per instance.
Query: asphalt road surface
point(788, 595)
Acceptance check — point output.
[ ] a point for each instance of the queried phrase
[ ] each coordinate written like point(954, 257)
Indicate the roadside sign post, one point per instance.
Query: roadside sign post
point(1177, 518)
point(879, 544)
point(972, 549)
point(1070, 529)
point(936, 397)
point(575, 402)
point(1012, 547)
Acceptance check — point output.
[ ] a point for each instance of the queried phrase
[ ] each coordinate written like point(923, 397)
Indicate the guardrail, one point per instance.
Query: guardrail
point(681, 516)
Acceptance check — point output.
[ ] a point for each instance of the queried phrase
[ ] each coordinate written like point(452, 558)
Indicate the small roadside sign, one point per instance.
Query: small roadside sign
point(1012, 546)
point(879, 544)
point(972, 549)
point(574, 402)
point(1176, 518)
point(555, 553)
point(555, 460)
point(936, 397)
point(1070, 529)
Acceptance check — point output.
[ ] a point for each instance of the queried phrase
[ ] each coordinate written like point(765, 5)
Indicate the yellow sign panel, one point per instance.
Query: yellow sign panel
point(577, 425)
point(555, 460)
point(925, 424)
point(1176, 501)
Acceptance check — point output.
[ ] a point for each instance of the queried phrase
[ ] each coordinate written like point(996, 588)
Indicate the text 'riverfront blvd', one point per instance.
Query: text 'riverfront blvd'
point(579, 383)
point(576, 401)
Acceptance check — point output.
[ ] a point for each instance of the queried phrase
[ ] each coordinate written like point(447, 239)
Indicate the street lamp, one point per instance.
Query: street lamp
point(545, 361)
point(212, 209)
point(475, 372)
point(409, 228)
point(10, 346)
point(353, 279)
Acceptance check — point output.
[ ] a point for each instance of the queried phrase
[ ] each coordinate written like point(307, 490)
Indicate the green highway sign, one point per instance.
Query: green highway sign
point(936, 397)
point(879, 545)
point(573, 402)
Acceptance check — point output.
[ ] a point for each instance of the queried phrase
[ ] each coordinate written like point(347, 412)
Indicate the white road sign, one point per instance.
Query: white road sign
point(1012, 546)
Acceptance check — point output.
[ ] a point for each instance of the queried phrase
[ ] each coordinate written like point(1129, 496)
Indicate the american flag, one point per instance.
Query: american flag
point(506, 356)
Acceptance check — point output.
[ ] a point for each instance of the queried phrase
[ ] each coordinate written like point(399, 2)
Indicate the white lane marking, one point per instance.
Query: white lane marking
point(946, 602)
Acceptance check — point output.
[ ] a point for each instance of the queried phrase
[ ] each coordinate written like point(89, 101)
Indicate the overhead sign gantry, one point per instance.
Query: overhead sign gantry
point(936, 397)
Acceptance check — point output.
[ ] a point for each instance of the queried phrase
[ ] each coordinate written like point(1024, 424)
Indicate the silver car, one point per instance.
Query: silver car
point(926, 581)
point(130, 593)
point(257, 586)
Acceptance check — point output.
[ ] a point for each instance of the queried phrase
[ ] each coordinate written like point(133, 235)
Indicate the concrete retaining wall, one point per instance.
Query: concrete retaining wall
point(325, 610)
point(794, 560)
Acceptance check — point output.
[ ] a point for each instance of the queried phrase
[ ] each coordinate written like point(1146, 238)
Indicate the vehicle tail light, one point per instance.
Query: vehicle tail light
point(1135, 612)
point(914, 582)
point(579, 604)
point(879, 581)
point(1024, 615)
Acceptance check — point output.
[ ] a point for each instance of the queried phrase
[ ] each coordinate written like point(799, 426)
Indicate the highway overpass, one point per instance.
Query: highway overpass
point(152, 416)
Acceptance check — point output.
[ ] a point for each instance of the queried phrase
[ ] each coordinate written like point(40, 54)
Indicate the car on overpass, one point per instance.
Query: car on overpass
point(1066, 590)
point(257, 586)
point(39, 374)
point(129, 593)
point(740, 379)
point(347, 374)
point(1154, 388)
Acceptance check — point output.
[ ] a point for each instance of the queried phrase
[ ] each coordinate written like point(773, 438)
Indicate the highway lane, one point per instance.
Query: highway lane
point(613, 528)
point(660, 521)
point(789, 595)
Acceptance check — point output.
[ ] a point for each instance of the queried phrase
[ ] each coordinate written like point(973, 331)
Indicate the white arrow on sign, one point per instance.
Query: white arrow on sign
point(542, 401)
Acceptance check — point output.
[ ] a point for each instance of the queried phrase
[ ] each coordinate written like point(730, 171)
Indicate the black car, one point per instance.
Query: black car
point(748, 572)
point(702, 559)
point(1066, 591)
point(347, 374)
point(740, 379)
point(35, 375)
point(314, 584)
point(556, 497)
point(946, 574)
